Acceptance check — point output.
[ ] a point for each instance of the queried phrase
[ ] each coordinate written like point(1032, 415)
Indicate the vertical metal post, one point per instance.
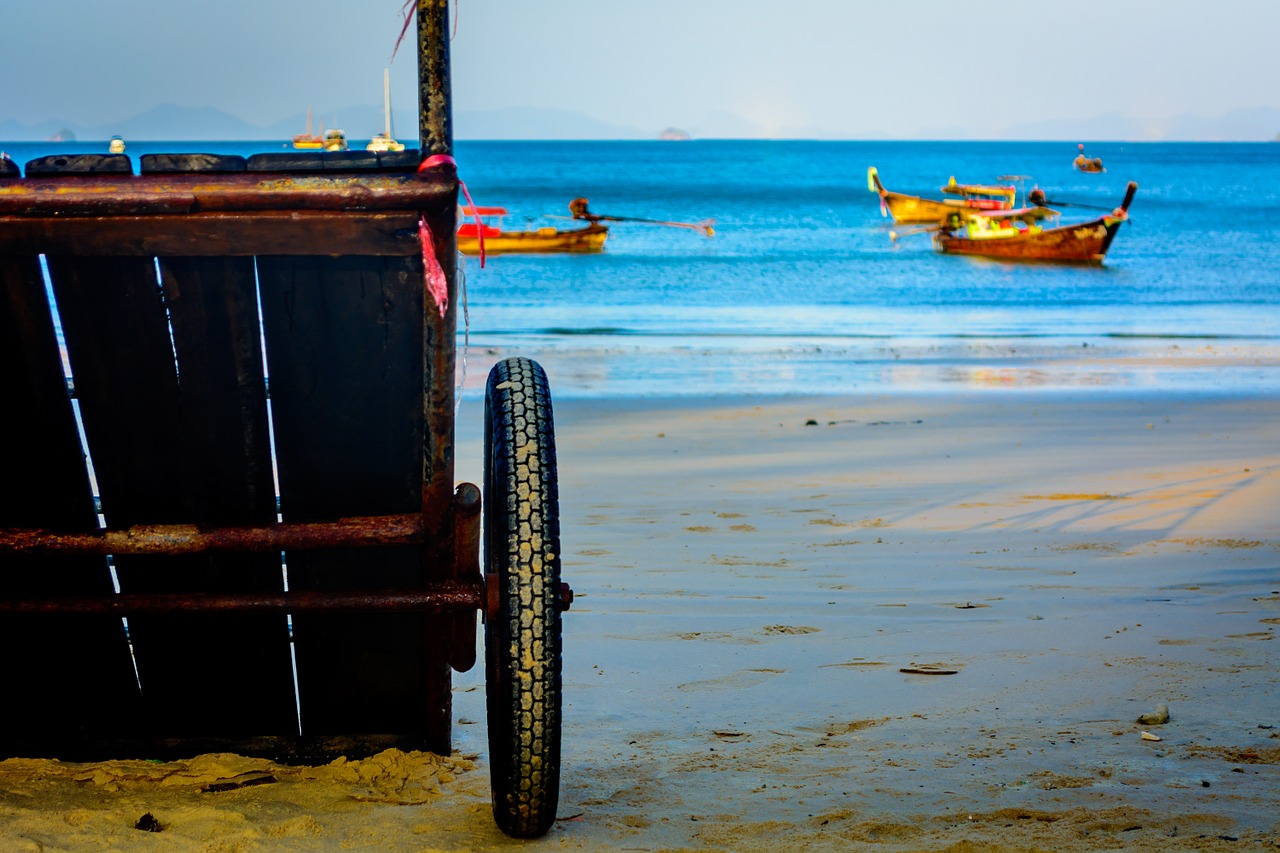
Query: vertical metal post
point(435, 137)
point(435, 110)
point(435, 126)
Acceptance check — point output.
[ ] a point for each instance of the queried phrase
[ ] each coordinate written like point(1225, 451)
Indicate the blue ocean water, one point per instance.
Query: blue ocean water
point(801, 290)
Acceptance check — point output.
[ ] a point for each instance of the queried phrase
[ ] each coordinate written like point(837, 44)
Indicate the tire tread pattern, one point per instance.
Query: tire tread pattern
point(522, 641)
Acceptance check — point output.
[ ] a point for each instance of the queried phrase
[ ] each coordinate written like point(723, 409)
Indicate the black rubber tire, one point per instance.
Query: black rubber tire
point(522, 639)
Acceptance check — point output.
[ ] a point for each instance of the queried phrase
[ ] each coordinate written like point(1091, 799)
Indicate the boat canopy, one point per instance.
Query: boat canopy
point(979, 189)
point(469, 229)
point(1026, 214)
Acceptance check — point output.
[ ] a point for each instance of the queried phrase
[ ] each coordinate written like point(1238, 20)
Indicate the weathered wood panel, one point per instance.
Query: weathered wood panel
point(147, 195)
point(345, 357)
point(227, 675)
point(123, 366)
point(68, 681)
point(216, 234)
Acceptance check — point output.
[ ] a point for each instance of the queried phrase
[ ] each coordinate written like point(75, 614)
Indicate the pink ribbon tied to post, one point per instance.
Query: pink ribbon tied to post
point(437, 284)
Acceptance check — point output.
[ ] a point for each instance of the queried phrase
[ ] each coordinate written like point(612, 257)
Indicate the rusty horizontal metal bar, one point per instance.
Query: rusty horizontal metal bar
point(440, 597)
point(175, 539)
point(150, 195)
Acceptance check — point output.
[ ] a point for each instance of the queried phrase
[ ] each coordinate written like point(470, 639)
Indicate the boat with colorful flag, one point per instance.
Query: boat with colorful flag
point(590, 238)
point(499, 241)
point(970, 198)
point(1021, 234)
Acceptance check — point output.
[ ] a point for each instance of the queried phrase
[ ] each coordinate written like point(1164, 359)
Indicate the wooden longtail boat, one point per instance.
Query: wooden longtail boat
point(578, 207)
point(910, 209)
point(498, 241)
point(1018, 235)
point(1087, 164)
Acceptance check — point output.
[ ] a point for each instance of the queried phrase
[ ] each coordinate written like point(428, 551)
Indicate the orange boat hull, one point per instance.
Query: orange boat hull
point(1083, 243)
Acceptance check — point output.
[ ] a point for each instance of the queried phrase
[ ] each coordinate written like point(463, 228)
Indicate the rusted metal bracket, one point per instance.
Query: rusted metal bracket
point(466, 569)
point(493, 604)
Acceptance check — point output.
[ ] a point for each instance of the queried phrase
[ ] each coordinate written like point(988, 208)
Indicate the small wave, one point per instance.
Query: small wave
point(602, 331)
point(691, 336)
point(1184, 336)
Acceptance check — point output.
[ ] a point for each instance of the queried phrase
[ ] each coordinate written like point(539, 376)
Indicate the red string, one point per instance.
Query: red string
point(437, 285)
point(409, 8)
point(445, 160)
point(433, 274)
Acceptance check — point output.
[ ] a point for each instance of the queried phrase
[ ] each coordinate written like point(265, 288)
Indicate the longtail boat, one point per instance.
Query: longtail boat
point(578, 207)
point(1087, 164)
point(1019, 235)
point(911, 209)
point(498, 241)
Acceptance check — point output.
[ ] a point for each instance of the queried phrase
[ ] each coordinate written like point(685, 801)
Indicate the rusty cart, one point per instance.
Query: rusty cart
point(229, 514)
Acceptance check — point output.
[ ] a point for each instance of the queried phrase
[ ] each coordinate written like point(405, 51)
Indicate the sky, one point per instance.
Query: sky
point(856, 68)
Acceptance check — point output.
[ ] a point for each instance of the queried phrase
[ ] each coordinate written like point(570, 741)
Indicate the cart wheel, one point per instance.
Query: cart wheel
point(522, 634)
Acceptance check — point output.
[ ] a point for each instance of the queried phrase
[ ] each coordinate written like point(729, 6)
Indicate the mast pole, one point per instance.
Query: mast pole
point(386, 100)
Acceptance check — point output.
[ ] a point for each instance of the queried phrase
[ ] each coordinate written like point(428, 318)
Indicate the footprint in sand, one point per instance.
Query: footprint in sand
point(789, 629)
point(715, 637)
point(736, 681)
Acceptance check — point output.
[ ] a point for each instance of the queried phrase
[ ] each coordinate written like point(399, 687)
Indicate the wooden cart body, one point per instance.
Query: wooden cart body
point(169, 288)
point(229, 389)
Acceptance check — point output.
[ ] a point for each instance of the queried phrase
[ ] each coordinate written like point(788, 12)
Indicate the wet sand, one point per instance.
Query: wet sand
point(893, 622)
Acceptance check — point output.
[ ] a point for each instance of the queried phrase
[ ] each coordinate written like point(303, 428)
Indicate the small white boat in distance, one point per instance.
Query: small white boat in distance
point(335, 140)
point(116, 145)
point(385, 141)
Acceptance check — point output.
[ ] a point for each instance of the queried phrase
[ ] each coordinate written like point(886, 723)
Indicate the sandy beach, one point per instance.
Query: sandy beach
point(896, 621)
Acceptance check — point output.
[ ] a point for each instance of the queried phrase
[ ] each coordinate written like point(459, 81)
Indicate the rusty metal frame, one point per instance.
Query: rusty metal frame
point(441, 597)
point(177, 539)
point(463, 590)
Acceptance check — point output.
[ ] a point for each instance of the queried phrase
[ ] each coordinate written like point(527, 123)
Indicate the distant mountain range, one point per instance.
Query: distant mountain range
point(169, 121)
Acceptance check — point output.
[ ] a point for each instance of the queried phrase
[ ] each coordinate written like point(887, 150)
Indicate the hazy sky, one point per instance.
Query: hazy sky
point(856, 67)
